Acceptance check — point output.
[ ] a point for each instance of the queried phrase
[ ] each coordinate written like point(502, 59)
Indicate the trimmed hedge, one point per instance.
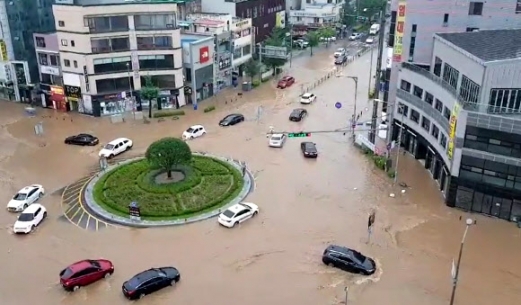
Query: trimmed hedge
point(208, 184)
point(209, 108)
point(167, 113)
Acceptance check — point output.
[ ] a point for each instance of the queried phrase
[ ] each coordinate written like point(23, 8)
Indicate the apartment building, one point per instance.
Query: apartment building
point(413, 24)
point(461, 118)
point(47, 53)
point(316, 13)
point(108, 51)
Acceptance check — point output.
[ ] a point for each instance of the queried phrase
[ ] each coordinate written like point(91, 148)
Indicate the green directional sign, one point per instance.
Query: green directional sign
point(299, 134)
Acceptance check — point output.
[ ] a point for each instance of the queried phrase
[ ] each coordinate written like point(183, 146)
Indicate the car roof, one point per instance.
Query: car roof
point(78, 266)
point(277, 134)
point(27, 189)
point(145, 275)
point(308, 143)
point(287, 77)
point(236, 208)
point(84, 135)
point(307, 94)
point(32, 208)
point(196, 126)
point(116, 141)
point(298, 110)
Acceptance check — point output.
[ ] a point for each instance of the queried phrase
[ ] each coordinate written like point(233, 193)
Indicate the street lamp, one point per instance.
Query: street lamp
point(130, 89)
point(455, 269)
point(355, 79)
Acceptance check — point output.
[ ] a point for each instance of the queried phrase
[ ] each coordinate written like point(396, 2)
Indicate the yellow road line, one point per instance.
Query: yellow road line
point(77, 211)
point(80, 200)
point(71, 207)
point(71, 196)
point(81, 217)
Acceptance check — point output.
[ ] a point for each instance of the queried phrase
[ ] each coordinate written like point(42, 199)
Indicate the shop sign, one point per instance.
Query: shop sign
point(204, 54)
point(50, 70)
point(452, 130)
point(242, 23)
point(72, 92)
point(398, 36)
point(57, 90)
point(225, 62)
point(3, 50)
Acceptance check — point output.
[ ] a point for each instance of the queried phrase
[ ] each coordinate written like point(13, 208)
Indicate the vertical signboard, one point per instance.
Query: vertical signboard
point(452, 129)
point(398, 34)
point(3, 50)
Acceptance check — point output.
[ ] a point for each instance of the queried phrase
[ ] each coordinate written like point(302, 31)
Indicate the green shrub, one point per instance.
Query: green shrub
point(256, 83)
point(209, 108)
point(372, 94)
point(379, 161)
point(391, 174)
point(167, 113)
point(267, 79)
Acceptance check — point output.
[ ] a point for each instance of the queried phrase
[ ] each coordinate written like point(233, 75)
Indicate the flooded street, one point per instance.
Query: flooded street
point(305, 205)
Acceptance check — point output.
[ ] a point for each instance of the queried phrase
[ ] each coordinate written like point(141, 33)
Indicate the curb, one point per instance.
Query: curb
point(90, 204)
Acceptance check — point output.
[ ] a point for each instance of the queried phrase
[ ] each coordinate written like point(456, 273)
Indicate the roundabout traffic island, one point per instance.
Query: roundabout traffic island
point(170, 186)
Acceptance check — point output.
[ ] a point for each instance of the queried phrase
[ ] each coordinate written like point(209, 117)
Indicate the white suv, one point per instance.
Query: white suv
point(115, 147)
point(30, 219)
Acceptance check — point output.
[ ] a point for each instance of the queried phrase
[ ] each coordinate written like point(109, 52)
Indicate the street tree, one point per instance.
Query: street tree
point(371, 8)
point(313, 40)
point(327, 33)
point(149, 93)
point(349, 14)
point(277, 38)
point(252, 68)
point(168, 153)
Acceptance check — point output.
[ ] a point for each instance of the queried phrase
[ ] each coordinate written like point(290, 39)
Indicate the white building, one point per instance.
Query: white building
point(108, 51)
point(315, 13)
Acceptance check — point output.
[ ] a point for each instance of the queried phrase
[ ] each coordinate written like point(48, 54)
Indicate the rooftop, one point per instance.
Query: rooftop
point(117, 2)
point(489, 45)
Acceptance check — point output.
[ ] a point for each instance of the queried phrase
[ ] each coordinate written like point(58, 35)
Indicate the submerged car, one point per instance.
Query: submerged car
point(82, 139)
point(339, 52)
point(85, 272)
point(30, 219)
point(309, 149)
point(193, 132)
point(150, 281)
point(231, 119)
point(298, 114)
point(285, 82)
point(115, 147)
point(238, 213)
point(308, 98)
point(25, 197)
point(355, 36)
point(341, 60)
point(348, 260)
point(277, 140)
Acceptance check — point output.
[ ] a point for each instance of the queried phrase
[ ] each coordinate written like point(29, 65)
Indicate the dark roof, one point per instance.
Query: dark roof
point(488, 45)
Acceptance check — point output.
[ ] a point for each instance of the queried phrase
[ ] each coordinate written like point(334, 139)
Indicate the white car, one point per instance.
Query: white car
point(307, 98)
point(332, 38)
point(194, 132)
point(277, 140)
point(25, 197)
point(369, 40)
point(238, 213)
point(115, 147)
point(355, 36)
point(340, 52)
point(30, 219)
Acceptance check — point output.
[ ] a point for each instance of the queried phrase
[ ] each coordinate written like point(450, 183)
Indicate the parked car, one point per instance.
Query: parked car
point(30, 218)
point(309, 149)
point(298, 114)
point(369, 40)
point(355, 36)
point(330, 39)
point(150, 281)
point(277, 140)
point(193, 132)
point(308, 98)
point(238, 213)
point(82, 139)
point(231, 119)
point(348, 260)
point(339, 52)
point(115, 147)
point(341, 60)
point(85, 272)
point(25, 197)
point(301, 43)
point(285, 82)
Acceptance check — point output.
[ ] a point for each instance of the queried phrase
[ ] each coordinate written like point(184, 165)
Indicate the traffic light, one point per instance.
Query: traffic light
point(299, 134)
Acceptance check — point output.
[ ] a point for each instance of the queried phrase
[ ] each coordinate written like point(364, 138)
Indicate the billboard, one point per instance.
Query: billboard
point(3, 50)
point(280, 19)
point(452, 130)
point(398, 34)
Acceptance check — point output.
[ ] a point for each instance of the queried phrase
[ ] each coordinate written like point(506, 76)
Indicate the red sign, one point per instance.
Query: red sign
point(204, 54)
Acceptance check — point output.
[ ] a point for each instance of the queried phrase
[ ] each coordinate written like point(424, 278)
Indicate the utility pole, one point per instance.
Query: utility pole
point(455, 269)
point(355, 79)
point(381, 37)
point(399, 142)
point(131, 93)
point(346, 290)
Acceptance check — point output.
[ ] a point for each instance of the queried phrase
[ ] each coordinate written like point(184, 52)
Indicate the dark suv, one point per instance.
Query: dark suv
point(348, 260)
point(149, 281)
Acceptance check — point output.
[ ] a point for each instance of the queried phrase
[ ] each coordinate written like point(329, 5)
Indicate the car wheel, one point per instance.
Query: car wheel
point(25, 206)
point(67, 142)
point(75, 288)
point(40, 195)
point(255, 213)
point(44, 214)
point(331, 265)
point(234, 224)
point(107, 275)
point(141, 295)
point(110, 156)
point(172, 283)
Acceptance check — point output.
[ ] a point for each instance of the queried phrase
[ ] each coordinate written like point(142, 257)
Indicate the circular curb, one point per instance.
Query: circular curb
point(98, 211)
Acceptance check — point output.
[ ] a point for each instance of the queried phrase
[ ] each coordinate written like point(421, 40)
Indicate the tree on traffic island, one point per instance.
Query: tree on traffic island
point(168, 153)
point(149, 93)
point(313, 40)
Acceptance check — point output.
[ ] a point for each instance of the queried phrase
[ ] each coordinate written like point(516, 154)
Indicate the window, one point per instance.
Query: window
point(429, 98)
point(154, 42)
point(417, 91)
point(75, 64)
point(445, 19)
point(469, 90)
point(435, 132)
point(162, 81)
point(114, 85)
point(67, 62)
point(426, 124)
point(450, 75)
point(73, 44)
point(412, 42)
point(518, 7)
point(111, 65)
point(156, 62)
point(505, 101)
point(107, 24)
point(437, 66)
point(446, 113)
point(443, 141)
point(64, 42)
point(40, 42)
point(42, 59)
point(106, 45)
point(415, 116)
point(438, 105)
point(414, 28)
point(61, 23)
point(475, 8)
point(403, 109)
point(237, 53)
point(246, 50)
point(155, 21)
point(405, 85)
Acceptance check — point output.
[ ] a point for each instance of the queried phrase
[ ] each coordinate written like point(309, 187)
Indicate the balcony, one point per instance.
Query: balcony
point(154, 43)
point(466, 105)
point(108, 45)
point(430, 111)
point(109, 24)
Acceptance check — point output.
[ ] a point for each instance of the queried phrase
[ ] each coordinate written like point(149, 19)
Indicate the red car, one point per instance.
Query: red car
point(285, 82)
point(85, 272)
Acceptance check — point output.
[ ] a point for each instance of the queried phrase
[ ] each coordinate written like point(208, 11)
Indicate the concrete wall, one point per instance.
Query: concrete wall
point(218, 6)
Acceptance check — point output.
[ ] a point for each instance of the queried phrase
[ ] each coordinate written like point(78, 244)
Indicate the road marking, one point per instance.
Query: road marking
point(70, 208)
point(97, 224)
point(80, 200)
point(81, 217)
point(87, 225)
point(77, 211)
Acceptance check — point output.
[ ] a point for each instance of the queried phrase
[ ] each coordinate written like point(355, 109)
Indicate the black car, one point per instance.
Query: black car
point(309, 149)
point(348, 260)
point(340, 60)
point(298, 114)
point(149, 281)
point(231, 119)
point(82, 139)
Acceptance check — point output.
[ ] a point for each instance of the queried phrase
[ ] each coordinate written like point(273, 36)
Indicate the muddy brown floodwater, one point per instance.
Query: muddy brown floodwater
point(274, 259)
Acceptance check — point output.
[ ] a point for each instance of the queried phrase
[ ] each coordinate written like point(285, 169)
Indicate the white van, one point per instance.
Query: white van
point(375, 28)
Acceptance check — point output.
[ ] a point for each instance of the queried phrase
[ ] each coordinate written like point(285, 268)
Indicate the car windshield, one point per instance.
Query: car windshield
point(228, 213)
point(109, 146)
point(190, 130)
point(66, 273)
point(276, 138)
point(229, 118)
point(20, 196)
point(26, 217)
point(306, 96)
point(133, 283)
point(340, 50)
point(358, 256)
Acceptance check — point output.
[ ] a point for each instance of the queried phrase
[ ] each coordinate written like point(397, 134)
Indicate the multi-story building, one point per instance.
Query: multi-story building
point(51, 91)
point(316, 13)
point(461, 117)
point(109, 51)
point(413, 24)
point(265, 14)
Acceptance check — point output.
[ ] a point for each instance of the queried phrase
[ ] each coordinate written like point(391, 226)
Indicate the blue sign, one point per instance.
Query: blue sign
point(338, 105)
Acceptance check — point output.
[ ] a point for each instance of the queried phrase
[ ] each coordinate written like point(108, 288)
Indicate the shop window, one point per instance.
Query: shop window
point(464, 198)
point(113, 85)
point(405, 85)
point(426, 124)
point(438, 105)
point(415, 116)
point(418, 92)
point(429, 98)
